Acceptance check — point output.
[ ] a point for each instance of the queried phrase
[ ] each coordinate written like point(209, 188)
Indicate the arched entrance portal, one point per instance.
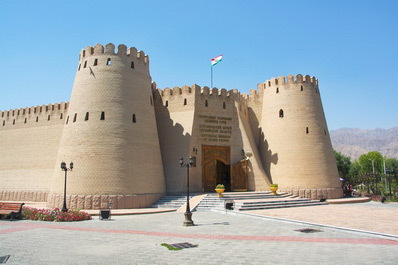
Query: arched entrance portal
point(215, 167)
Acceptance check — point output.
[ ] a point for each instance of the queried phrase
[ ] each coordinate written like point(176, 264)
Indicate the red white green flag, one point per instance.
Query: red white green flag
point(216, 60)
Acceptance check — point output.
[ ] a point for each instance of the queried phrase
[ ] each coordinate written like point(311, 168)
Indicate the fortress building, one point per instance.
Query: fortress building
point(125, 137)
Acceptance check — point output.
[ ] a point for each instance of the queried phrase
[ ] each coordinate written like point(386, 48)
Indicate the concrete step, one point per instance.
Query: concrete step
point(254, 201)
point(174, 202)
point(276, 206)
point(265, 202)
point(259, 195)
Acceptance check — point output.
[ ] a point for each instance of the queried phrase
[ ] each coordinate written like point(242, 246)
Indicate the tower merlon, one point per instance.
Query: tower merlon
point(205, 91)
point(122, 49)
point(223, 93)
point(196, 88)
point(186, 90)
point(290, 79)
point(214, 92)
point(110, 48)
point(176, 91)
point(153, 86)
point(98, 49)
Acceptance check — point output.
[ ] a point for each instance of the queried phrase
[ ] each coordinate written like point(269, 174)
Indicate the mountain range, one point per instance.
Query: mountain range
point(354, 142)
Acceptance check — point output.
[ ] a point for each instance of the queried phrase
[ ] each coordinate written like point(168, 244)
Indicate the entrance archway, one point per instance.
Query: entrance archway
point(215, 167)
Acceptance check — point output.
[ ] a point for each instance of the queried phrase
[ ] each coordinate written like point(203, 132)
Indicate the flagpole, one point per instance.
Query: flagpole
point(211, 67)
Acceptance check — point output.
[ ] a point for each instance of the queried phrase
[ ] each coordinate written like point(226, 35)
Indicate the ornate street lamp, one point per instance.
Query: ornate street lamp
point(64, 168)
point(188, 215)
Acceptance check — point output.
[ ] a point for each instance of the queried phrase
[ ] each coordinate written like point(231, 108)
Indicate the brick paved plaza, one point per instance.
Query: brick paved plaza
point(222, 238)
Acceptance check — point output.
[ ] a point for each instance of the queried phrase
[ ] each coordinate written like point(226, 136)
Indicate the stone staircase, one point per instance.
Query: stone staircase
point(246, 201)
point(276, 203)
point(173, 202)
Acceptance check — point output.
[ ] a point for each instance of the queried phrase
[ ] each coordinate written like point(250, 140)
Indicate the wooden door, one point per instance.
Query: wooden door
point(239, 176)
point(209, 178)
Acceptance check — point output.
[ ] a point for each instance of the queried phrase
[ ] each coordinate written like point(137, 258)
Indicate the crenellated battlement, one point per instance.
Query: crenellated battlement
point(33, 114)
point(197, 90)
point(109, 49)
point(256, 95)
point(290, 79)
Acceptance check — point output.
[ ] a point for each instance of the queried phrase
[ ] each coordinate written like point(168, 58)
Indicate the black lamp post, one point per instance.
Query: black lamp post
point(188, 215)
point(64, 168)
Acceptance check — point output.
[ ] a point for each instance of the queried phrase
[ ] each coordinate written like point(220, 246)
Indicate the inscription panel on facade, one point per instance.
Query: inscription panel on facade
point(215, 128)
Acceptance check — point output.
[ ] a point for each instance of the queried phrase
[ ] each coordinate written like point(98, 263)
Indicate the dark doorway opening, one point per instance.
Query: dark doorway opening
point(223, 175)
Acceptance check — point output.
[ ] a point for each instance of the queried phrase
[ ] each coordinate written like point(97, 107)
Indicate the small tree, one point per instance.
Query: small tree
point(366, 161)
point(343, 164)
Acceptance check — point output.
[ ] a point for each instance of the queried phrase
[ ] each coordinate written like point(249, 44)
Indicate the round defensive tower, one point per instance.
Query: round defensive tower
point(110, 134)
point(296, 149)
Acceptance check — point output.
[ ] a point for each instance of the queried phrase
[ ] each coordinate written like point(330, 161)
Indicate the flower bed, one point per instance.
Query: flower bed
point(54, 215)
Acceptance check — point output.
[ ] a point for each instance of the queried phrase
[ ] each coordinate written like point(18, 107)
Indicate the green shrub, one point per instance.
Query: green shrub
point(220, 186)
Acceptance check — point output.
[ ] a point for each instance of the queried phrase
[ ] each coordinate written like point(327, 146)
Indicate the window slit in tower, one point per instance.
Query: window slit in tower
point(324, 130)
point(132, 65)
point(281, 113)
point(102, 115)
point(167, 103)
point(150, 98)
point(13, 122)
point(302, 89)
point(307, 131)
point(48, 118)
point(134, 120)
point(206, 104)
point(4, 123)
point(95, 62)
point(79, 67)
point(185, 101)
point(86, 117)
point(37, 119)
point(277, 90)
point(25, 120)
point(75, 117)
point(67, 119)
point(60, 117)
point(223, 105)
point(108, 62)
point(85, 64)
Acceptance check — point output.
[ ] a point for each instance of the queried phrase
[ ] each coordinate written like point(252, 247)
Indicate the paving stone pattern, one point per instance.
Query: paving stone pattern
point(222, 238)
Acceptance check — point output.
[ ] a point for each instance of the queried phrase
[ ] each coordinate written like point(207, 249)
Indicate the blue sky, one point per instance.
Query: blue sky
point(350, 46)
